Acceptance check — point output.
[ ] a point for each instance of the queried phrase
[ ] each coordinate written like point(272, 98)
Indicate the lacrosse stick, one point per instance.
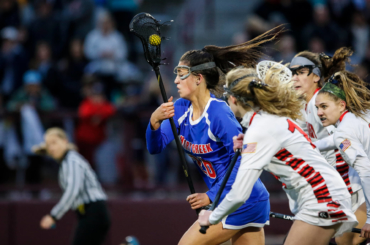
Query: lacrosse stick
point(285, 75)
point(148, 29)
point(291, 218)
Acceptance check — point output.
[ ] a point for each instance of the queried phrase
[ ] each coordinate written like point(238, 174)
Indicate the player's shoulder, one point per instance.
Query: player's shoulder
point(218, 108)
point(264, 123)
point(349, 125)
point(182, 105)
point(75, 158)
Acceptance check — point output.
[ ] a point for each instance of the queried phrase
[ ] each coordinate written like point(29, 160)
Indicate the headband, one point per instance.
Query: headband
point(332, 88)
point(253, 83)
point(304, 62)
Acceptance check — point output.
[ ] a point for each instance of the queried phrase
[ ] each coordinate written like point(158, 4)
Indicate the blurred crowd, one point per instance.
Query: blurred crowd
point(74, 64)
point(315, 25)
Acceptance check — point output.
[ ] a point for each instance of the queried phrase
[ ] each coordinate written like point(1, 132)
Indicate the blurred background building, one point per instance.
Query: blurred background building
point(74, 64)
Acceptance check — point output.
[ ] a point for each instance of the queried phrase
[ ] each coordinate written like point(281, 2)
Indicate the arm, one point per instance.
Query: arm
point(157, 140)
point(74, 184)
point(354, 154)
point(258, 150)
point(326, 144)
point(159, 132)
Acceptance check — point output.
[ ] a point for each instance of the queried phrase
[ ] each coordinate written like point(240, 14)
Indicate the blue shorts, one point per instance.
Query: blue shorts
point(255, 216)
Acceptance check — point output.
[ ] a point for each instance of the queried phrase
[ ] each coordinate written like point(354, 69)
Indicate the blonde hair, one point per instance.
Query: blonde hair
point(276, 98)
point(60, 133)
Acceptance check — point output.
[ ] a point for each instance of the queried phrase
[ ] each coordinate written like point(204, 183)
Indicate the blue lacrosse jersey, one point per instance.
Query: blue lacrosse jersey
point(208, 141)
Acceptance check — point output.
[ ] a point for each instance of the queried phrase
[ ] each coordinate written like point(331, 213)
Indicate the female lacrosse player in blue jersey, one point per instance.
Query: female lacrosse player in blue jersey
point(206, 126)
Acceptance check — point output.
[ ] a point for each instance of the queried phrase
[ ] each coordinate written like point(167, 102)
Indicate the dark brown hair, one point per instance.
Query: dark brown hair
point(328, 65)
point(246, 54)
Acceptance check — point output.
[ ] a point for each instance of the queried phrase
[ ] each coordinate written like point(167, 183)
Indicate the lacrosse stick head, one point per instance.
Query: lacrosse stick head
point(285, 74)
point(148, 29)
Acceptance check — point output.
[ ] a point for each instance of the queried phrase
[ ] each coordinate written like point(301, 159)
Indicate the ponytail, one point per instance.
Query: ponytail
point(226, 58)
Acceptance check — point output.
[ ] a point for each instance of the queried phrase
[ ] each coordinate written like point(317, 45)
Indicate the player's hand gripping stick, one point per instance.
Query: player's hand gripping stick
point(203, 229)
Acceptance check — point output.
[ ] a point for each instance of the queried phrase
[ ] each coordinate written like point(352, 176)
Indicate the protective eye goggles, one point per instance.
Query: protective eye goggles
point(297, 69)
point(186, 70)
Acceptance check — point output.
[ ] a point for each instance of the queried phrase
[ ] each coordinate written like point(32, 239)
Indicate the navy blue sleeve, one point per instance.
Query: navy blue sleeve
point(225, 128)
point(157, 140)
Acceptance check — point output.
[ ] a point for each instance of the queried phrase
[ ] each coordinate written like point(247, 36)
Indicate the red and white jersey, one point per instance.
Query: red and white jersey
point(286, 151)
point(317, 131)
point(352, 138)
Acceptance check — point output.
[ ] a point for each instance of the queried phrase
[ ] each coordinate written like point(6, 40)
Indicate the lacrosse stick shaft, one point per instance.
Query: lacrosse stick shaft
point(203, 229)
point(174, 131)
point(290, 217)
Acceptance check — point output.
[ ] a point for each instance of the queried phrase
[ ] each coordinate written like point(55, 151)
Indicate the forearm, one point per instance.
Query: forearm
point(239, 193)
point(157, 140)
point(326, 144)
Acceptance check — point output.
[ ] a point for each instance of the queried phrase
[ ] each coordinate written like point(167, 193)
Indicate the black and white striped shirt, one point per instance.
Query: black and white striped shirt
point(79, 183)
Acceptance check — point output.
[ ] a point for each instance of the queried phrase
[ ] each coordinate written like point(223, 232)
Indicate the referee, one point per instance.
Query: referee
point(82, 191)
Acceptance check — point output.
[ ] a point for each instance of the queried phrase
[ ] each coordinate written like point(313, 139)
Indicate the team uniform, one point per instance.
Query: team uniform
point(84, 194)
point(322, 137)
point(352, 138)
point(316, 192)
point(208, 141)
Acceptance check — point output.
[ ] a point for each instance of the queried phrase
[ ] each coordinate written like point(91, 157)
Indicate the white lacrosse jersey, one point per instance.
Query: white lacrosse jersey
point(287, 152)
point(317, 131)
point(352, 137)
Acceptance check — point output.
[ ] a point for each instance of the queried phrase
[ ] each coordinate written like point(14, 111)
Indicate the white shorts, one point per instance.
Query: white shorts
point(357, 199)
point(328, 214)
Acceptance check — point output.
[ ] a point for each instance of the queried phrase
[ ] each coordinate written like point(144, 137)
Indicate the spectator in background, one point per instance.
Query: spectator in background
point(341, 11)
point(71, 70)
point(322, 27)
point(253, 27)
point(80, 14)
point(298, 14)
point(123, 11)
point(46, 27)
point(93, 114)
point(32, 93)
point(106, 48)
point(28, 100)
point(44, 64)
point(13, 62)
point(316, 45)
point(286, 49)
point(361, 34)
point(9, 13)
point(362, 71)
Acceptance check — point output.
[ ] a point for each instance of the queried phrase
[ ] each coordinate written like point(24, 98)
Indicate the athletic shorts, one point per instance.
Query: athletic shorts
point(357, 199)
point(328, 214)
point(256, 216)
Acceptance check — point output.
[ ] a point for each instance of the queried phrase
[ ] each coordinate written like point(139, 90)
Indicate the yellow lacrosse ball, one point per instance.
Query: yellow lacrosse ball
point(155, 40)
